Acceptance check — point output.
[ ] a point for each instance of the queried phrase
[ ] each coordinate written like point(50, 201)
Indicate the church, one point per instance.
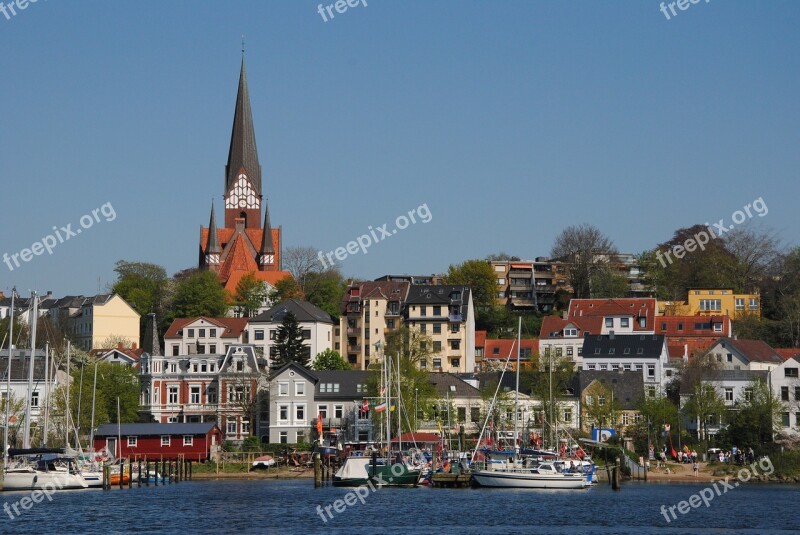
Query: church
point(246, 243)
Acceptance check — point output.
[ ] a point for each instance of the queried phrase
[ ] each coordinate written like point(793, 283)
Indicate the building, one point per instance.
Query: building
point(609, 399)
point(432, 279)
point(498, 350)
point(713, 302)
point(195, 388)
point(733, 354)
point(370, 310)
point(43, 385)
point(692, 335)
point(92, 321)
point(785, 383)
point(128, 356)
point(445, 313)
point(204, 336)
point(563, 338)
point(316, 324)
point(529, 284)
point(299, 397)
point(243, 244)
point(194, 442)
point(480, 348)
point(620, 316)
point(459, 404)
point(644, 354)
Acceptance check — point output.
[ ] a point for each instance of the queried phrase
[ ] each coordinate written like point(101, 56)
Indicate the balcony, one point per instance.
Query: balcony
point(455, 318)
point(392, 313)
point(354, 331)
point(354, 348)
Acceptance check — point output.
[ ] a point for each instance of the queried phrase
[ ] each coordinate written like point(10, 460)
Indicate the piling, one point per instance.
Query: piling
point(147, 472)
point(139, 468)
point(106, 477)
point(615, 475)
point(317, 471)
point(130, 473)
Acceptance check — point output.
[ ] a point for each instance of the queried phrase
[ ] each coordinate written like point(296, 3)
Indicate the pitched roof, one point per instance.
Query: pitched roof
point(232, 327)
point(348, 381)
point(133, 354)
point(787, 353)
point(154, 429)
point(302, 310)
point(448, 383)
point(553, 326)
point(636, 307)
point(389, 290)
point(752, 350)
point(693, 326)
point(623, 346)
point(20, 366)
point(501, 348)
point(480, 338)
point(726, 376)
point(243, 151)
point(628, 387)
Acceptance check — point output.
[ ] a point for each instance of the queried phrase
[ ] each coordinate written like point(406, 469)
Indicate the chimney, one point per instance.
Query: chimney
point(119, 345)
point(610, 335)
point(150, 343)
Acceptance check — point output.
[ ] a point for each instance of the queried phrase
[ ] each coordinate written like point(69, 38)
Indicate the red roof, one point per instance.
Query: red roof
point(693, 326)
point(787, 353)
point(502, 348)
point(480, 338)
point(270, 277)
point(553, 326)
point(753, 350)
point(232, 327)
point(635, 307)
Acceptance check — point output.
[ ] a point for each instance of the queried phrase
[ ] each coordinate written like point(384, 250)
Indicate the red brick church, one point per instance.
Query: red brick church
point(244, 244)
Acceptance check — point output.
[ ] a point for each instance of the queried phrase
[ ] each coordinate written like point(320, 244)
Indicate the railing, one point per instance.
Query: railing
point(455, 317)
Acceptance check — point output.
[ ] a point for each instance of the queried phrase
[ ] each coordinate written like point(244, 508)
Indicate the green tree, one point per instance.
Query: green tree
point(704, 404)
point(200, 294)
point(599, 407)
point(250, 294)
point(654, 413)
point(146, 288)
point(607, 282)
point(289, 343)
point(479, 276)
point(757, 419)
point(286, 288)
point(418, 400)
point(325, 290)
point(539, 379)
point(411, 344)
point(331, 360)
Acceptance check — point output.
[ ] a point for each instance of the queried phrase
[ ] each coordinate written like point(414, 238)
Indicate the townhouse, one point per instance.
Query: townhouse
point(739, 354)
point(204, 336)
point(644, 354)
point(610, 399)
point(785, 382)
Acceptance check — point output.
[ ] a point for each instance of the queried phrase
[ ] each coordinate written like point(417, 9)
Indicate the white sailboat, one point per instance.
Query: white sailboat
point(520, 472)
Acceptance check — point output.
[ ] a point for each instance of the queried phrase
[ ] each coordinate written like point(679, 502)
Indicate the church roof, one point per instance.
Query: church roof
point(243, 152)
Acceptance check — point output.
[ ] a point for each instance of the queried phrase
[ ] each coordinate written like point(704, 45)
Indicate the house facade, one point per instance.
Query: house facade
point(204, 336)
point(609, 399)
point(645, 354)
point(43, 384)
point(739, 354)
point(785, 383)
point(195, 441)
point(713, 302)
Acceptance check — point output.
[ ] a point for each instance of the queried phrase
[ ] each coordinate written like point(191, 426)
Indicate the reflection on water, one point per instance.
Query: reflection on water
point(287, 507)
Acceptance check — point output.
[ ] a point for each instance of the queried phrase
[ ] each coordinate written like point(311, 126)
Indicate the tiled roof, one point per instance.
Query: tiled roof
point(752, 350)
point(787, 353)
point(303, 311)
point(497, 348)
point(695, 326)
point(480, 338)
point(553, 326)
point(233, 327)
point(635, 307)
point(348, 381)
point(444, 381)
point(623, 346)
point(20, 367)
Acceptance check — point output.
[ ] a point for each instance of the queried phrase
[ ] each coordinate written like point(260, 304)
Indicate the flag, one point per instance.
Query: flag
point(319, 424)
point(381, 407)
point(383, 390)
point(392, 408)
point(364, 407)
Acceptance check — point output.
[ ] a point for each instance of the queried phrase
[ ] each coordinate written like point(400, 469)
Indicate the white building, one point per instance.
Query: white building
point(316, 325)
point(203, 336)
point(786, 386)
point(643, 353)
point(733, 354)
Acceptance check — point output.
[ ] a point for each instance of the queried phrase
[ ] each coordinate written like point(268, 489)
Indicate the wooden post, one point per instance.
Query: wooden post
point(130, 473)
point(147, 472)
point(106, 477)
point(317, 471)
point(616, 475)
point(156, 472)
point(121, 473)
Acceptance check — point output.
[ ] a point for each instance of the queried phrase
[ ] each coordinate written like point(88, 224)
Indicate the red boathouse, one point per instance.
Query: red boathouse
point(159, 441)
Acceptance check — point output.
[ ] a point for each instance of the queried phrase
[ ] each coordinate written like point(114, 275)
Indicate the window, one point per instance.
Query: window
point(717, 327)
point(642, 322)
point(785, 419)
point(455, 363)
point(390, 324)
point(784, 393)
point(601, 400)
point(132, 442)
point(730, 357)
point(437, 328)
point(611, 350)
point(455, 344)
point(729, 394)
point(625, 419)
point(194, 395)
point(753, 304)
point(301, 437)
point(172, 419)
point(797, 393)
point(204, 367)
point(423, 311)
point(651, 392)
point(748, 394)
point(188, 440)
point(626, 367)
point(626, 351)
point(640, 351)
point(663, 326)
point(597, 351)
point(211, 393)
point(790, 372)
point(590, 367)
point(437, 363)
point(437, 345)
point(680, 326)
point(569, 351)
point(329, 387)
point(739, 303)
point(283, 413)
point(34, 399)
point(567, 416)
point(361, 388)
point(423, 328)
point(589, 400)
point(273, 334)
point(212, 333)
point(173, 395)
point(173, 367)
point(570, 332)
point(639, 367)
point(194, 367)
point(338, 411)
point(201, 333)
point(258, 334)
point(580, 351)
point(710, 304)
point(614, 367)
point(300, 388)
point(191, 333)
point(437, 311)
point(245, 426)
point(300, 413)
point(165, 440)
point(651, 370)
point(454, 327)
point(176, 350)
point(201, 349)
point(603, 367)
point(609, 322)
point(624, 322)
point(284, 437)
point(322, 410)
point(306, 334)
point(283, 388)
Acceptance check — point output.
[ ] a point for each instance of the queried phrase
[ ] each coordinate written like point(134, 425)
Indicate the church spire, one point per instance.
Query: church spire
point(267, 251)
point(213, 249)
point(243, 152)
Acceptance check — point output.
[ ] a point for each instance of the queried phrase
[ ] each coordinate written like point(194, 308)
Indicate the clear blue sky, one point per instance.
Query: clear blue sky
point(511, 120)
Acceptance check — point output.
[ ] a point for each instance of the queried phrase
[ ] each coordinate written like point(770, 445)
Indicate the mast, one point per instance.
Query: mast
point(26, 435)
point(8, 376)
point(119, 440)
point(69, 412)
point(399, 420)
point(94, 393)
point(516, 390)
point(46, 393)
point(80, 398)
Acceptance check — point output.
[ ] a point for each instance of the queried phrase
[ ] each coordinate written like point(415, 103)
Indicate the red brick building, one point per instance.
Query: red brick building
point(159, 441)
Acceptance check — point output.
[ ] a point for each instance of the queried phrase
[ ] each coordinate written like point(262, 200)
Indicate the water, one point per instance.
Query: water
point(290, 507)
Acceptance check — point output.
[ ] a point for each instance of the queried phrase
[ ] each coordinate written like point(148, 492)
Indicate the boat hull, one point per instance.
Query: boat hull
point(34, 480)
point(393, 475)
point(527, 480)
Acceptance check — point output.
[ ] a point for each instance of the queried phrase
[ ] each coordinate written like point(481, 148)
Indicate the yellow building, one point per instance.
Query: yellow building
point(101, 317)
point(712, 302)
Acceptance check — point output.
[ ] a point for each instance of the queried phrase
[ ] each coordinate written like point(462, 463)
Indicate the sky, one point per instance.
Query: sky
point(508, 121)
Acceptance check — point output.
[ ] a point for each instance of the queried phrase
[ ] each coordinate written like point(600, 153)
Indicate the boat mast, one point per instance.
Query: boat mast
point(8, 377)
point(46, 393)
point(516, 390)
point(94, 393)
point(66, 423)
point(399, 420)
point(26, 435)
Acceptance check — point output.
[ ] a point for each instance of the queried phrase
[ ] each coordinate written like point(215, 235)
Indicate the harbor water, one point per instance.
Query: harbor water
point(295, 507)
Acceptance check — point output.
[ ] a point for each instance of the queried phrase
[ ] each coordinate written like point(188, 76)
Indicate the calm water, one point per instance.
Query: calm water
point(290, 507)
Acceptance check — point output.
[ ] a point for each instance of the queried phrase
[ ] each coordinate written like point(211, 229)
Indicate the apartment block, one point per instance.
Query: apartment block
point(713, 302)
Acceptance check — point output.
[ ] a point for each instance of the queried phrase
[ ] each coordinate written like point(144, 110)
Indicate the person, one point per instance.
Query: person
point(721, 456)
point(696, 468)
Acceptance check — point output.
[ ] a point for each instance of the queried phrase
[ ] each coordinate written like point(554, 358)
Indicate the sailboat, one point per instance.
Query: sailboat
point(395, 469)
point(36, 468)
point(518, 471)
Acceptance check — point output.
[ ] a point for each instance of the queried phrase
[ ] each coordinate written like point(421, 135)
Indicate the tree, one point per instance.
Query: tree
point(757, 419)
point(598, 406)
point(145, 287)
point(417, 401)
point(704, 403)
point(542, 383)
point(325, 290)
point(286, 288)
point(16, 416)
point(654, 413)
point(607, 282)
point(115, 340)
point(289, 343)
point(200, 294)
point(412, 344)
point(502, 257)
point(754, 252)
point(250, 295)
point(583, 248)
point(331, 360)
point(479, 276)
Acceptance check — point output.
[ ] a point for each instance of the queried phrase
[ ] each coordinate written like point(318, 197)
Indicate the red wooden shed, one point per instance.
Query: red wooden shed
point(159, 441)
